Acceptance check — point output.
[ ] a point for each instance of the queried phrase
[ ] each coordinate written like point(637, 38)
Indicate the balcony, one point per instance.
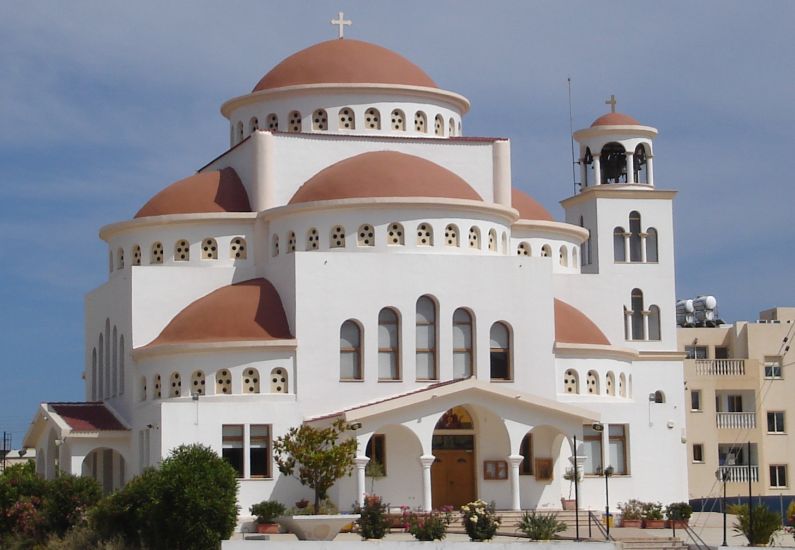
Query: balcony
point(739, 474)
point(736, 420)
point(720, 367)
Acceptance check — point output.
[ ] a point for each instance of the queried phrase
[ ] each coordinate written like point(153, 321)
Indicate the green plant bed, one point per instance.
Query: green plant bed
point(541, 526)
point(760, 527)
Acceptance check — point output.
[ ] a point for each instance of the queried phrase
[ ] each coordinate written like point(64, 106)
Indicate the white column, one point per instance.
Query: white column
point(630, 156)
point(605, 445)
point(516, 497)
point(361, 488)
point(427, 501)
point(246, 450)
point(643, 247)
point(501, 172)
point(649, 171)
point(645, 325)
point(627, 324)
point(627, 253)
point(597, 170)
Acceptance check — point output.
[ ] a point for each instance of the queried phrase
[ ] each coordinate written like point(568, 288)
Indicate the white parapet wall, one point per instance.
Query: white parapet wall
point(406, 545)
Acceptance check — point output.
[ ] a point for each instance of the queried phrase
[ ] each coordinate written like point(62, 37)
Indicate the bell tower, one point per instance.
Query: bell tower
point(630, 248)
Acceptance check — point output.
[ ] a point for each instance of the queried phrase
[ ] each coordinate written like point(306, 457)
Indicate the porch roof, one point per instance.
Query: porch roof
point(74, 418)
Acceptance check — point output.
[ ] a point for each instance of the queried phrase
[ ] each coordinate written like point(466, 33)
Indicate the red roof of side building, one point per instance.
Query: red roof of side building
point(92, 416)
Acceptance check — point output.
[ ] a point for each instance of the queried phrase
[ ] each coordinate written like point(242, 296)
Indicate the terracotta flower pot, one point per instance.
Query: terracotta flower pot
point(568, 504)
point(636, 523)
point(680, 523)
point(653, 523)
point(268, 528)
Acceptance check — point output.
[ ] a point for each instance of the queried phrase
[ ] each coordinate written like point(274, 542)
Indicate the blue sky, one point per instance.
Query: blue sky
point(102, 104)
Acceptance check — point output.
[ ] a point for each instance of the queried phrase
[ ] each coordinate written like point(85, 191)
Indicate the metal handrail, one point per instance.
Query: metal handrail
point(599, 525)
point(698, 542)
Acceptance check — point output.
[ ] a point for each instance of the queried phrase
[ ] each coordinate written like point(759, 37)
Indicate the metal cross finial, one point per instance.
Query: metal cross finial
point(341, 22)
point(612, 102)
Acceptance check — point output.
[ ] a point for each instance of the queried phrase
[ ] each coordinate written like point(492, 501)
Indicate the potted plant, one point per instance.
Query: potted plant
point(653, 515)
point(678, 514)
point(631, 513)
point(317, 457)
point(267, 511)
point(568, 475)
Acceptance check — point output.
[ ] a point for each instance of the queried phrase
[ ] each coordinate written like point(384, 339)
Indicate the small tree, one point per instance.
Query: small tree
point(374, 470)
point(316, 457)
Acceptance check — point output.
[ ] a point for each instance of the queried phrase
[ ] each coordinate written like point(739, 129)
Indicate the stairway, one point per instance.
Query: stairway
point(651, 543)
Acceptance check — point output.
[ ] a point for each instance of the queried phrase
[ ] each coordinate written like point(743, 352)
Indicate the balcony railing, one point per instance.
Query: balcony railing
point(720, 367)
point(736, 421)
point(739, 474)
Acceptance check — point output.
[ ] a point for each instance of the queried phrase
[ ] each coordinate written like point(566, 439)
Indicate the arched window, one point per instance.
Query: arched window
point(462, 343)
point(175, 389)
point(637, 315)
point(619, 245)
point(121, 364)
point(106, 387)
point(546, 251)
point(571, 382)
point(641, 175)
point(652, 254)
point(366, 235)
point(240, 133)
point(337, 237)
point(156, 254)
point(312, 239)
point(474, 237)
point(563, 255)
point(394, 235)
point(372, 119)
point(451, 235)
point(500, 345)
point(426, 339)
point(319, 120)
point(350, 351)
point(114, 365)
point(120, 258)
point(158, 387)
point(291, 242)
point(279, 380)
point(250, 380)
point(654, 323)
point(347, 119)
point(622, 385)
point(523, 249)
point(197, 383)
point(142, 388)
point(94, 374)
point(451, 128)
point(424, 235)
point(610, 382)
point(439, 125)
point(273, 122)
point(136, 254)
point(209, 249)
point(492, 240)
point(223, 382)
point(388, 345)
point(613, 163)
point(420, 122)
point(398, 120)
point(295, 121)
point(659, 397)
point(181, 251)
point(101, 377)
point(275, 246)
point(635, 241)
point(237, 248)
point(253, 125)
point(592, 382)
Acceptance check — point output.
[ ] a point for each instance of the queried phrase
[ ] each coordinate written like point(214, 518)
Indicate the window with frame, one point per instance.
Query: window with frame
point(773, 367)
point(778, 475)
point(592, 449)
point(350, 351)
point(734, 403)
point(388, 345)
point(617, 448)
point(232, 446)
point(259, 451)
point(696, 352)
point(500, 352)
point(253, 455)
point(526, 450)
point(775, 422)
point(376, 450)
point(462, 343)
point(698, 452)
point(426, 339)
point(695, 400)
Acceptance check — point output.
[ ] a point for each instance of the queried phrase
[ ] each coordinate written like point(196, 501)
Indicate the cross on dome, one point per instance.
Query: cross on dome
point(612, 102)
point(341, 22)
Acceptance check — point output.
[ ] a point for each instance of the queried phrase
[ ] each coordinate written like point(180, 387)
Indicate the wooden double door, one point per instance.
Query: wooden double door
point(453, 477)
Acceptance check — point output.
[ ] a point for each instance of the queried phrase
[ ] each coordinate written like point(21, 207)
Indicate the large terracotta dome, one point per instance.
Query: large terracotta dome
point(344, 62)
point(528, 207)
point(384, 174)
point(215, 191)
point(572, 326)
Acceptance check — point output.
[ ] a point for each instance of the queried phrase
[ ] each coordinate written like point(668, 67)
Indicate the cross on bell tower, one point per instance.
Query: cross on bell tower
point(341, 22)
point(612, 102)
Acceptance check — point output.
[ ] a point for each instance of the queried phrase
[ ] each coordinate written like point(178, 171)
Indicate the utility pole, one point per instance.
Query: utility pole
point(6, 447)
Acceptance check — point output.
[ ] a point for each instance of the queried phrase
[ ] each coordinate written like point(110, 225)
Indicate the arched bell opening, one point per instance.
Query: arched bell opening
point(613, 163)
point(588, 178)
point(640, 164)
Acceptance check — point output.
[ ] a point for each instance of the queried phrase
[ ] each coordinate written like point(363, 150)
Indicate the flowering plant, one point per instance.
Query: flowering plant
point(428, 526)
point(480, 521)
point(373, 522)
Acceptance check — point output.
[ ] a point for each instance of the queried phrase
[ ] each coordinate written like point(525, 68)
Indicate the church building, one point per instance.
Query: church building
point(355, 255)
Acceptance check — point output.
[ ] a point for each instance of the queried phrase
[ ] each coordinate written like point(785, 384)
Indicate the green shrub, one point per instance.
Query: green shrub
point(791, 518)
point(67, 501)
point(678, 511)
point(480, 521)
point(326, 507)
point(652, 510)
point(760, 527)
point(541, 526)
point(267, 510)
point(632, 509)
point(17, 481)
point(129, 513)
point(373, 522)
point(427, 526)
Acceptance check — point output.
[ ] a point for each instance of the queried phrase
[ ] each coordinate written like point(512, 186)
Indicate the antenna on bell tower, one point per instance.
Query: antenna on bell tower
point(571, 137)
point(341, 22)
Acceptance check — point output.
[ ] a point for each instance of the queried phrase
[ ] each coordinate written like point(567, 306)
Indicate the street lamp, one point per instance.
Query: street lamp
point(722, 474)
point(607, 472)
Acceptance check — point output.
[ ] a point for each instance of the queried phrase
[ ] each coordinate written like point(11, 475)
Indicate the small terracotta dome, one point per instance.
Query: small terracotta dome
point(528, 207)
point(251, 310)
point(344, 62)
point(216, 191)
point(384, 174)
point(615, 119)
point(572, 326)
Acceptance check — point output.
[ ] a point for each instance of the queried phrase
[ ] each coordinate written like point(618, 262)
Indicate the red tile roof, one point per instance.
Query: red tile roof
point(87, 417)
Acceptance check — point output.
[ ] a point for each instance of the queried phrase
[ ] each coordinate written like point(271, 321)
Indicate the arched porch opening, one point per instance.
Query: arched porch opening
point(107, 467)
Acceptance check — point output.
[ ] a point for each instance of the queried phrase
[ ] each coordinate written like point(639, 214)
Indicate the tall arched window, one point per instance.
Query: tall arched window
point(347, 119)
point(197, 383)
point(451, 235)
point(94, 374)
point(372, 119)
point(637, 315)
point(640, 168)
point(237, 248)
point(654, 323)
point(652, 254)
point(319, 120)
point(114, 374)
point(209, 249)
point(398, 120)
point(279, 380)
point(121, 364)
point(395, 235)
point(424, 234)
point(175, 389)
point(474, 237)
point(420, 122)
point(635, 241)
point(613, 163)
point(273, 122)
point(101, 377)
point(106, 387)
point(426, 339)
point(500, 337)
point(462, 343)
point(250, 380)
point(156, 256)
point(619, 245)
point(571, 382)
point(388, 345)
point(350, 351)
point(439, 125)
point(295, 121)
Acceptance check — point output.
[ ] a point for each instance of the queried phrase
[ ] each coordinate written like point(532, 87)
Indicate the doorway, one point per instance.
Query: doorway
point(453, 471)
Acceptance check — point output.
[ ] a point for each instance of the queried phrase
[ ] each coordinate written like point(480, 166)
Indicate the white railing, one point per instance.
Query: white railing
point(736, 421)
point(720, 367)
point(739, 474)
